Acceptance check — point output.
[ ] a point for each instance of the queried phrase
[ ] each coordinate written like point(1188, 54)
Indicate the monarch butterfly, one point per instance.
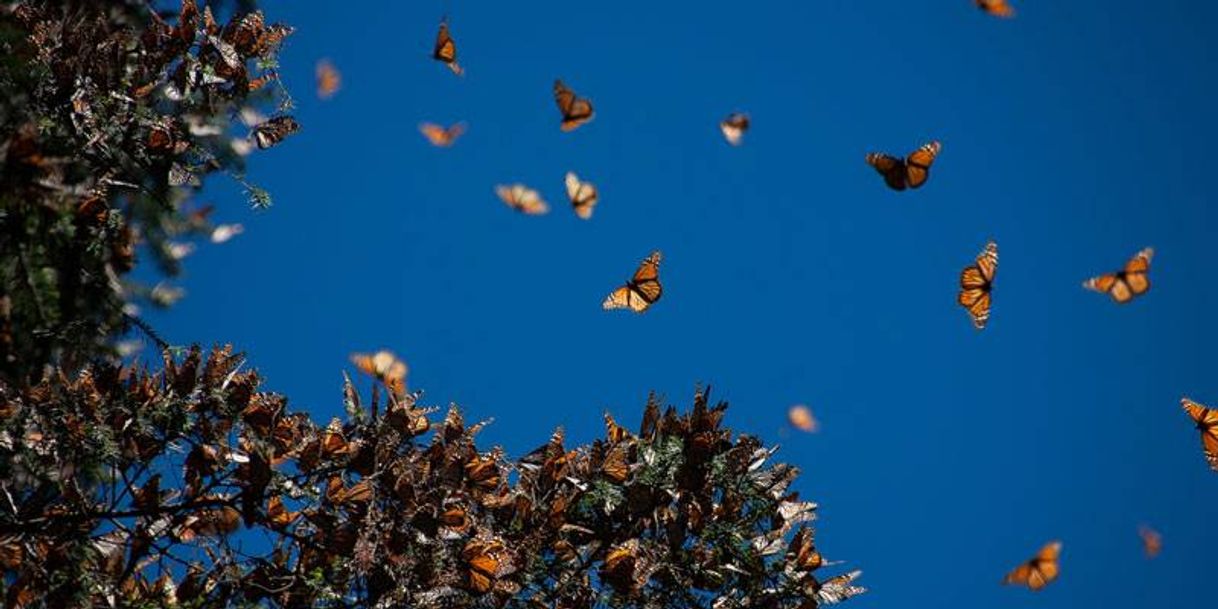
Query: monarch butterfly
point(446, 50)
point(272, 132)
point(734, 126)
point(583, 196)
point(328, 79)
point(1039, 571)
point(616, 467)
point(839, 588)
point(623, 566)
point(488, 560)
point(522, 199)
point(442, 137)
point(1152, 542)
point(1123, 285)
point(976, 282)
point(1207, 423)
point(613, 432)
point(802, 551)
point(642, 291)
point(997, 8)
point(384, 366)
point(912, 172)
point(801, 418)
point(333, 441)
point(575, 110)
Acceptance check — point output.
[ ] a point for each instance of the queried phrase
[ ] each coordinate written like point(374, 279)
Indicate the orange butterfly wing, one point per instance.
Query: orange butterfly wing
point(1137, 272)
point(917, 165)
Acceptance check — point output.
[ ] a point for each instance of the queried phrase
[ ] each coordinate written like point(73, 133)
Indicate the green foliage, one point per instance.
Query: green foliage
point(111, 118)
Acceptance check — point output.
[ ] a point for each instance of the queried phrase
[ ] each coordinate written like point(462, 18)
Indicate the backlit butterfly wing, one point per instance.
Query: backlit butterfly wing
point(892, 168)
point(1152, 542)
point(642, 291)
point(1207, 423)
point(583, 195)
point(274, 131)
point(446, 50)
point(328, 79)
point(441, 136)
point(575, 110)
point(1137, 272)
point(1038, 572)
point(976, 283)
point(734, 126)
point(997, 8)
point(1123, 285)
point(917, 165)
point(522, 199)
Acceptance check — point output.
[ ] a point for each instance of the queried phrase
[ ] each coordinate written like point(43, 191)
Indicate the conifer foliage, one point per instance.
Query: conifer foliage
point(112, 115)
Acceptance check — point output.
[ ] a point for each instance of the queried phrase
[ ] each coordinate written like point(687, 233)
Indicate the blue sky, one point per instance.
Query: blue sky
point(1074, 135)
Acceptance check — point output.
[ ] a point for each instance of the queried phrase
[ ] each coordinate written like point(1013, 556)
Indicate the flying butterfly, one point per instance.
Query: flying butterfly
point(1207, 423)
point(583, 196)
point(734, 126)
point(445, 50)
point(1039, 571)
point(642, 291)
point(384, 366)
point(328, 79)
point(522, 199)
point(997, 8)
point(1152, 541)
point(976, 282)
point(1125, 284)
point(800, 417)
point(575, 110)
point(442, 137)
point(273, 131)
point(910, 172)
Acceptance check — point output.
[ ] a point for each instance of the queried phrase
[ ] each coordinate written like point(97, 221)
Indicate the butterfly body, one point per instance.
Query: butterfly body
point(642, 291)
point(911, 172)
